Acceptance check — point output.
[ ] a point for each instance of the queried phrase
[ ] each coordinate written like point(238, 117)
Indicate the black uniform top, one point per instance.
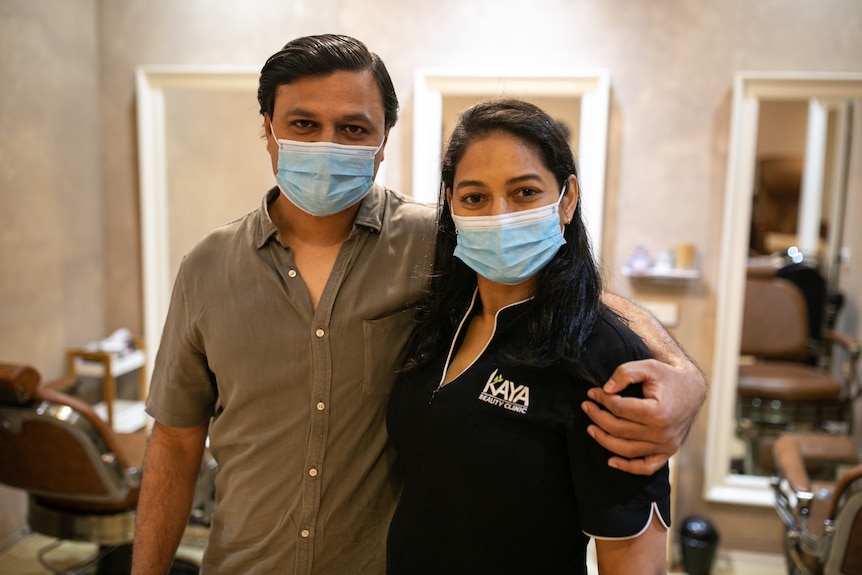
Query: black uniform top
point(500, 474)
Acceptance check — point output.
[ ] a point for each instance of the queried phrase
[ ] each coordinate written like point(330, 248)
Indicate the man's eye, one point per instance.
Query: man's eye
point(302, 123)
point(354, 130)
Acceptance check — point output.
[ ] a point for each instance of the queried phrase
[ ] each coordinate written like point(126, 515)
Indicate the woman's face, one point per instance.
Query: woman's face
point(500, 173)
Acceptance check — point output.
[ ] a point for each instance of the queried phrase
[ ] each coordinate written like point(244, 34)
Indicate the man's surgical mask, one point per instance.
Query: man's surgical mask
point(323, 178)
point(510, 248)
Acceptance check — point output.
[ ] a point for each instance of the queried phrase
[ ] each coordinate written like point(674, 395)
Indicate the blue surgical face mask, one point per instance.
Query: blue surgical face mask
point(510, 248)
point(323, 178)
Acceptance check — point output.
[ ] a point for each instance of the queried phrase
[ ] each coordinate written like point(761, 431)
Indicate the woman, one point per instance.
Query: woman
point(500, 474)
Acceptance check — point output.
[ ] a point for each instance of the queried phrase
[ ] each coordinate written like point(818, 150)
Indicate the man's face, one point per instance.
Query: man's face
point(342, 107)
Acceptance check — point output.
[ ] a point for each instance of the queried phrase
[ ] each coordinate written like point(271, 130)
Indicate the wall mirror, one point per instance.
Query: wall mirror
point(802, 121)
point(202, 163)
point(578, 98)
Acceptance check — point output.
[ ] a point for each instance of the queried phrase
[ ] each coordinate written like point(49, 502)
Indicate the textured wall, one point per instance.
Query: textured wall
point(671, 61)
point(51, 224)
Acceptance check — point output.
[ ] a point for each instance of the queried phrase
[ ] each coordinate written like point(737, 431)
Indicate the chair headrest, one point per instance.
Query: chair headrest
point(18, 383)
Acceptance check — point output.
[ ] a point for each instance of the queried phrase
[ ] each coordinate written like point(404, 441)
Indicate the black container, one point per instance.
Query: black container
point(699, 540)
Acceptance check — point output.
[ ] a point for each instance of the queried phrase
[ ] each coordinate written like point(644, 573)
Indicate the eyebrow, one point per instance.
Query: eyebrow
point(510, 181)
point(353, 117)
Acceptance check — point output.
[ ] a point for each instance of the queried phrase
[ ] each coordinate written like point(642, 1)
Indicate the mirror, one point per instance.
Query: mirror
point(825, 100)
point(581, 99)
point(201, 164)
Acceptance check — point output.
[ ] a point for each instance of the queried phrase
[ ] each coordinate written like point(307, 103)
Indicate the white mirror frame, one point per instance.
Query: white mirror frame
point(749, 88)
point(151, 84)
point(590, 87)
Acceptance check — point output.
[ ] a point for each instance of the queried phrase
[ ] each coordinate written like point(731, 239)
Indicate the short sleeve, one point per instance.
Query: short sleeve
point(613, 503)
point(182, 393)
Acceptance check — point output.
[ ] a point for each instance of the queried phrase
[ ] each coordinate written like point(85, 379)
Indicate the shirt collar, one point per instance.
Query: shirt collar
point(370, 214)
point(266, 229)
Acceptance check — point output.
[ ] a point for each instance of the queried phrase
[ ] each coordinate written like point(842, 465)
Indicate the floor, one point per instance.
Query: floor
point(21, 558)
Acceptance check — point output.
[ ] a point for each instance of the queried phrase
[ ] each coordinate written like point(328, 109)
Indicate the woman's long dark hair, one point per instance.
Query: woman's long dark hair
point(567, 296)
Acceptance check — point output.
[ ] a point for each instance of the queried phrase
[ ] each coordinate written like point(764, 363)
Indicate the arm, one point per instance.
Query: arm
point(642, 554)
point(171, 466)
point(646, 432)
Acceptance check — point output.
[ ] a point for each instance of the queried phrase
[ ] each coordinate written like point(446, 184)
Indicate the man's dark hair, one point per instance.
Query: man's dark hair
point(320, 55)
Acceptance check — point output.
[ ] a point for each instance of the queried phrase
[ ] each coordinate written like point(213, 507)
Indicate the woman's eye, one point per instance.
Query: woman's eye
point(528, 192)
point(469, 200)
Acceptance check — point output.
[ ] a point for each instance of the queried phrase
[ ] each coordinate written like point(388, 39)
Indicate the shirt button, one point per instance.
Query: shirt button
point(321, 406)
point(312, 472)
point(319, 332)
point(305, 533)
point(292, 273)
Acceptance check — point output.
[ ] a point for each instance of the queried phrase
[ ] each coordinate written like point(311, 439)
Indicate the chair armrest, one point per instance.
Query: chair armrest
point(851, 345)
point(788, 459)
point(843, 484)
point(794, 490)
point(793, 450)
point(850, 367)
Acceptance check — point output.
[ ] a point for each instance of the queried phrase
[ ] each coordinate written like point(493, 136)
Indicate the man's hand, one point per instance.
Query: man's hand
point(646, 432)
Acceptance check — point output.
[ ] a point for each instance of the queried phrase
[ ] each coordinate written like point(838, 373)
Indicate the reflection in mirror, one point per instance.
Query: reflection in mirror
point(786, 177)
point(777, 175)
point(788, 241)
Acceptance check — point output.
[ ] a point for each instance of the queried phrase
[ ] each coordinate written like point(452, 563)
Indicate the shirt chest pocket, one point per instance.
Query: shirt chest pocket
point(384, 340)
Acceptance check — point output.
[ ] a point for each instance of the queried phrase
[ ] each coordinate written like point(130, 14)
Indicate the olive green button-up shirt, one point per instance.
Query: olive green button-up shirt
point(295, 396)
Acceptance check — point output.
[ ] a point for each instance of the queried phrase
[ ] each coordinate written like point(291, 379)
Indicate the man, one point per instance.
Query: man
point(284, 334)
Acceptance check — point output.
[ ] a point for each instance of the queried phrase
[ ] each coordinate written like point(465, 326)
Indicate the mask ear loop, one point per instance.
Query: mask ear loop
point(381, 144)
point(272, 131)
point(563, 192)
point(448, 203)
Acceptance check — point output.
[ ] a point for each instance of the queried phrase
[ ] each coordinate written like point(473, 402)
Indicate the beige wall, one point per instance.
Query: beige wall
point(69, 234)
point(51, 217)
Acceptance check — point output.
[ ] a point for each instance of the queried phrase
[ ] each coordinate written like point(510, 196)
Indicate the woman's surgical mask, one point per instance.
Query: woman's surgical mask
point(323, 178)
point(510, 248)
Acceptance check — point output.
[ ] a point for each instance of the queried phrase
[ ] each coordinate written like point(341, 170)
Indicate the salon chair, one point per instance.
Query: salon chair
point(823, 519)
point(81, 477)
point(778, 388)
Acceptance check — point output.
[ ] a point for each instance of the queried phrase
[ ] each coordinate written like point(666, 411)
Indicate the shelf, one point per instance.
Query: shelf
point(120, 364)
point(662, 275)
point(128, 416)
point(108, 366)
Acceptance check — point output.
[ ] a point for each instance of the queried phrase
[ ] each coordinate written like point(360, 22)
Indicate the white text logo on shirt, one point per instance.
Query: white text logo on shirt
point(507, 394)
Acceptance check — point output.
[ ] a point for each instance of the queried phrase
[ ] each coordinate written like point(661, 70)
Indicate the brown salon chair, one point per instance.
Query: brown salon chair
point(82, 478)
point(823, 519)
point(778, 390)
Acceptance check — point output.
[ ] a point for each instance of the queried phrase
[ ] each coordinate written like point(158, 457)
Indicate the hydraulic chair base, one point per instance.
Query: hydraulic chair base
point(105, 529)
